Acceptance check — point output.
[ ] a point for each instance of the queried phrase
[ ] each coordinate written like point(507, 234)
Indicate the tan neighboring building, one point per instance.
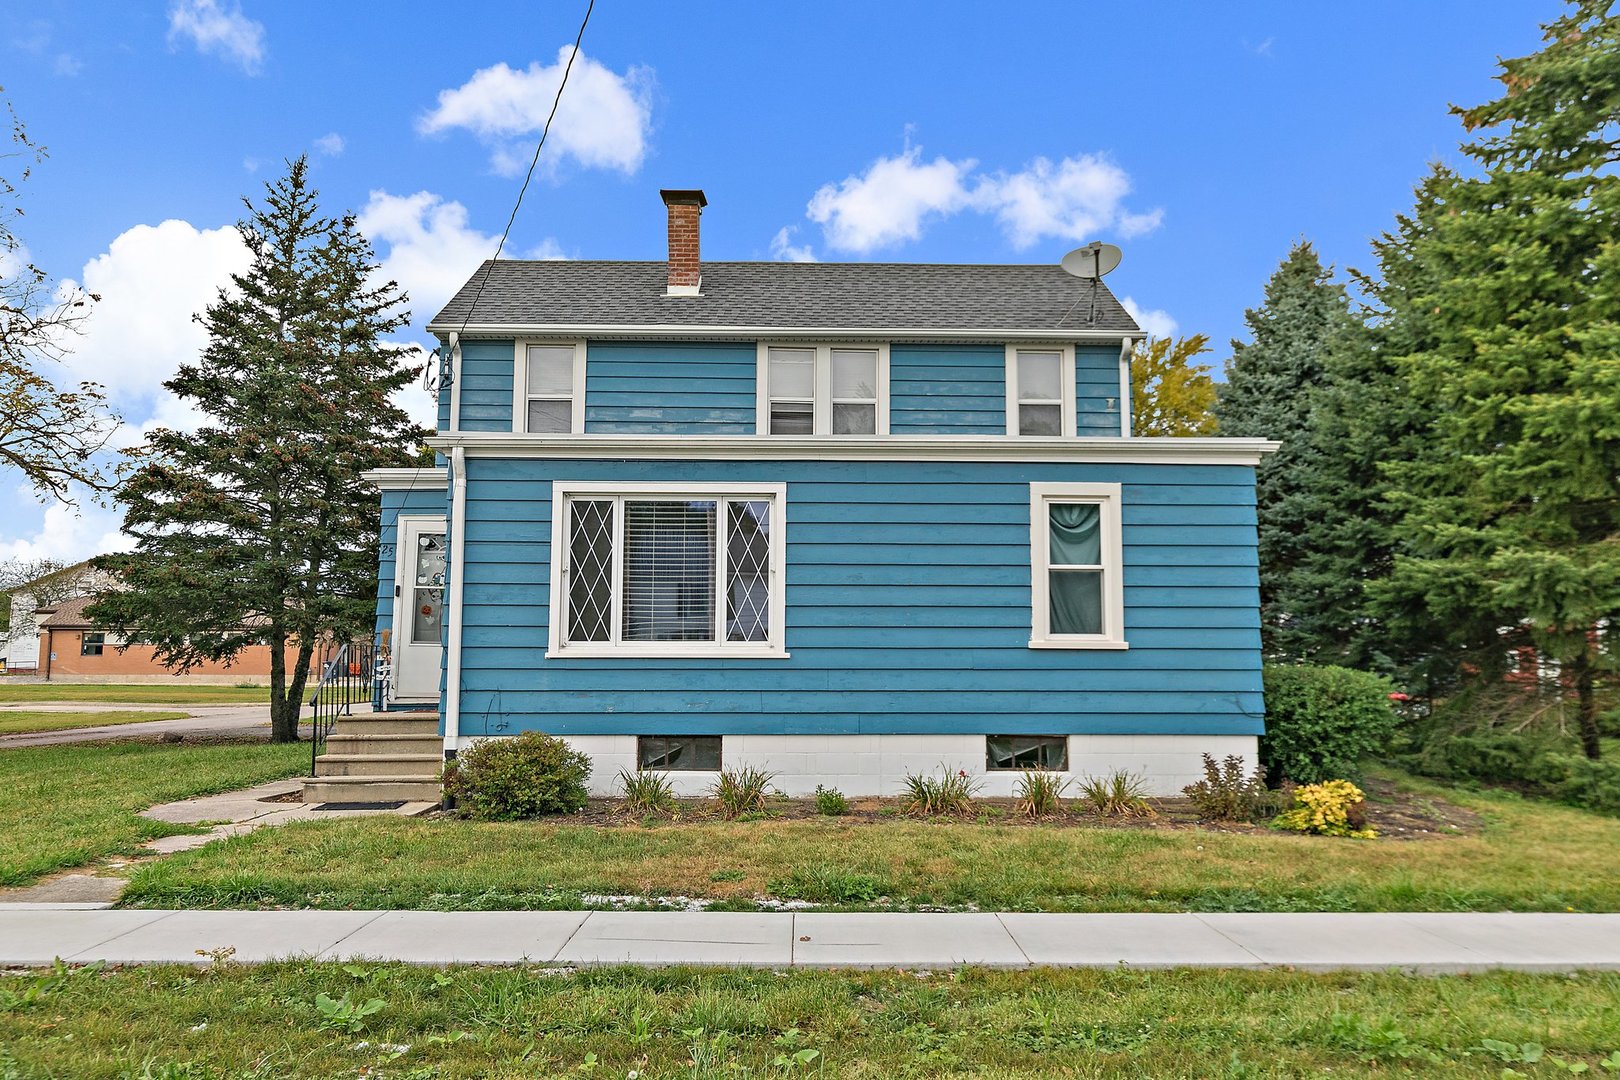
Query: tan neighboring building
point(72, 649)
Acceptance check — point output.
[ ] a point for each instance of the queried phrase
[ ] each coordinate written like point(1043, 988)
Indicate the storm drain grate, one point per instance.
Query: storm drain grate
point(360, 805)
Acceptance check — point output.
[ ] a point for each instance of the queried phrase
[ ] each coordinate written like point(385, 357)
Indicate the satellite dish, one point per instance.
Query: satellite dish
point(1093, 261)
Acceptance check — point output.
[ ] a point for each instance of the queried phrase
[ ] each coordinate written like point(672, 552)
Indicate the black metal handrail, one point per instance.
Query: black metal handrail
point(347, 677)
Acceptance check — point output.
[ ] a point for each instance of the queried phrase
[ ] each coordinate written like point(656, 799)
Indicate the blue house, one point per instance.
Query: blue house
point(840, 521)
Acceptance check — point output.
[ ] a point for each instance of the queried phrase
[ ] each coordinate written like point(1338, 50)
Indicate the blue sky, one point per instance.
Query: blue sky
point(1202, 138)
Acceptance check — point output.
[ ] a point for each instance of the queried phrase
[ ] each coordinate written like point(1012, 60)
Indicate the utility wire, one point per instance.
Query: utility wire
point(579, 37)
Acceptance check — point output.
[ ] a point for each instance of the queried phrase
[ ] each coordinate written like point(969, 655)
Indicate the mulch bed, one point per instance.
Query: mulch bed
point(1395, 814)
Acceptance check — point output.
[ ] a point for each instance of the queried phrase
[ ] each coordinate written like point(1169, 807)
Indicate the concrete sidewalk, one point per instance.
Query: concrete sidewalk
point(202, 720)
point(1427, 943)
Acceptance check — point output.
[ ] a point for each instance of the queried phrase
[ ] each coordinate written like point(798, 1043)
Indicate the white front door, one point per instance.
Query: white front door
point(419, 597)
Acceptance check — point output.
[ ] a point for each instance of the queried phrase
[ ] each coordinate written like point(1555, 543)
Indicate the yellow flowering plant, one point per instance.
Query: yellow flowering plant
point(1331, 808)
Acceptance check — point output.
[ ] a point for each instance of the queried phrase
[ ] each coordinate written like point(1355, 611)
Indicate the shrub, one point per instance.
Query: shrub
point(527, 776)
point(1331, 808)
point(1322, 721)
point(830, 802)
point(1227, 793)
point(647, 793)
point(947, 793)
point(742, 791)
point(1119, 794)
point(1040, 793)
point(1580, 781)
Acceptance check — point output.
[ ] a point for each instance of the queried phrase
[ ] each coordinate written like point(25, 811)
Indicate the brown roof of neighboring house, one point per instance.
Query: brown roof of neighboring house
point(67, 614)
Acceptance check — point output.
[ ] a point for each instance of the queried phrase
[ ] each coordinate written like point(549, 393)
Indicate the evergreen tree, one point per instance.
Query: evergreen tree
point(257, 528)
point(1362, 417)
point(1515, 521)
point(1268, 393)
point(1171, 395)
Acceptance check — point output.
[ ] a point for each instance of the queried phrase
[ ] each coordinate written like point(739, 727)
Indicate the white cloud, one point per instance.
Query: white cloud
point(68, 535)
point(602, 122)
point(218, 29)
point(890, 201)
point(152, 279)
point(1072, 200)
point(784, 250)
point(1155, 321)
point(431, 249)
point(896, 197)
point(67, 65)
point(331, 144)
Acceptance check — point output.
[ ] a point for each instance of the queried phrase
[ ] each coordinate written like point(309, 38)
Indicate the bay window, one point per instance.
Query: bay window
point(667, 569)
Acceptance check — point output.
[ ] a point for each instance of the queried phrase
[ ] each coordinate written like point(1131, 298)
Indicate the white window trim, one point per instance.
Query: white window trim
point(774, 648)
point(1106, 496)
point(1066, 377)
point(821, 410)
point(520, 384)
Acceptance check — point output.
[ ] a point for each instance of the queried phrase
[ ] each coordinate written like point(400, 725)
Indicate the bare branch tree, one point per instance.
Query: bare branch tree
point(50, 434)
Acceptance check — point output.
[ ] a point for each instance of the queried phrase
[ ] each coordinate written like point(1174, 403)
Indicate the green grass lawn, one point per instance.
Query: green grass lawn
point(136, 693)
point(15, 722)
point(65, 806)
point(495, 1023)
point(1530, 856)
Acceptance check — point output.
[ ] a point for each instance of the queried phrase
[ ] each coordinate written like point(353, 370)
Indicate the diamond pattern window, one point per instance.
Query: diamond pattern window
point(669, 572)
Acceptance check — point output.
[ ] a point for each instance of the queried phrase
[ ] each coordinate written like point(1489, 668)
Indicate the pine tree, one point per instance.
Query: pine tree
point(1515, 523)
point(257, 528)
point(1268, 393)
point(1171, 395)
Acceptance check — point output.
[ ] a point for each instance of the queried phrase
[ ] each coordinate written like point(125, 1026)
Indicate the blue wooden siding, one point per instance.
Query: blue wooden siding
point(1096, 391)
point(486, 385)
point(908, 593)
point(670, 388)
point(948, 389)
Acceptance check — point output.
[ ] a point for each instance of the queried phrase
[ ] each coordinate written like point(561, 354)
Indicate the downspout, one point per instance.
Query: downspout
point(1125, 387)
point(458, 560)
point(49, 652)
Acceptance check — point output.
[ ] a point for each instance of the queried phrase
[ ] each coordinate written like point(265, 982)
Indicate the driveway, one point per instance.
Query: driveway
point(200, 720)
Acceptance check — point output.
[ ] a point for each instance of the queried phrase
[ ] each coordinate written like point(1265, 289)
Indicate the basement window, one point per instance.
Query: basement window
point(92, 644)
point(1050, 752)
point(690, 753)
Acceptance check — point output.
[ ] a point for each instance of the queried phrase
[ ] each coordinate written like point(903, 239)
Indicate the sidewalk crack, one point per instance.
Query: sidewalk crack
point(1019, 945)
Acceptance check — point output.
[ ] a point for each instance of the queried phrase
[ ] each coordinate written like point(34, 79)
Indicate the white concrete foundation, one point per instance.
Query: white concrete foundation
point(878, 764)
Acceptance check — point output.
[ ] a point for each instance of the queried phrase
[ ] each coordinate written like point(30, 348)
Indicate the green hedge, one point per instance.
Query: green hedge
point(523, 777)
point(1322, 721)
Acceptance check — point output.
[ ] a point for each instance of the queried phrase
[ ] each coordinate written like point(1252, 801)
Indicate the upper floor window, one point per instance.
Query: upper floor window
point(1040, 390)
point(667, 569)
point(824, 389)
point(549, 380)
point(1076, 585)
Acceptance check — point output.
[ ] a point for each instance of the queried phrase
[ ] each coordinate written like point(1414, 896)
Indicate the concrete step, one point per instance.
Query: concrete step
point(388, 724)
point(425, 766)
point(343, 745)
point(364, 789)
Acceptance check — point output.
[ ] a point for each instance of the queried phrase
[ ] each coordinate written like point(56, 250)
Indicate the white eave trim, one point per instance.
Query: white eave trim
point(755, 333)
point(1102, 449)
point(406, 479)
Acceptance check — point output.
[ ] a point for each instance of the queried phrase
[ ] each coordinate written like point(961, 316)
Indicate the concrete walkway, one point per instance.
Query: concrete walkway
point(203, 720)
point(1427, 943)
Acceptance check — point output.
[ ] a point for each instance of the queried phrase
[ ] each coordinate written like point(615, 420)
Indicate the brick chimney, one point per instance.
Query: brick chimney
point(685, 267)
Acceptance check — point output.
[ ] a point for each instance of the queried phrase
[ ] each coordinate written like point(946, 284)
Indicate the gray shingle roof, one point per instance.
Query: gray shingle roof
point(918, 296)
